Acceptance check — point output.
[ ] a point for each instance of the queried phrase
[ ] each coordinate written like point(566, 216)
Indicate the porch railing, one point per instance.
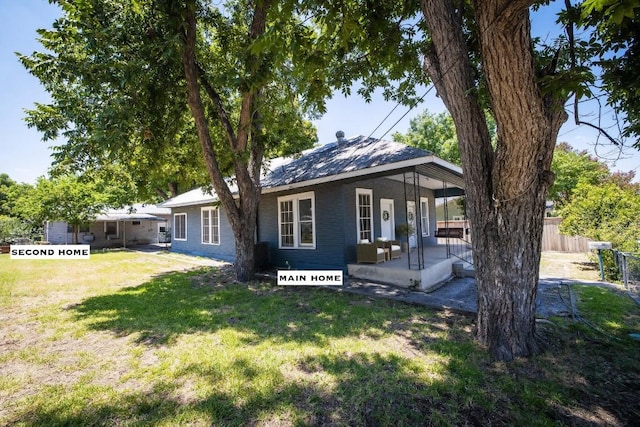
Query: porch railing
point(460, 248)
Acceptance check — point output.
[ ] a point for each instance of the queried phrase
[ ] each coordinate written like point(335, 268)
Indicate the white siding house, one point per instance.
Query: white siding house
point(134, 225)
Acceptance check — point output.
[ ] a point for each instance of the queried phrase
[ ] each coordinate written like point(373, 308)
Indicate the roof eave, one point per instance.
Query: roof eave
point(170, 204)
point(388, 167)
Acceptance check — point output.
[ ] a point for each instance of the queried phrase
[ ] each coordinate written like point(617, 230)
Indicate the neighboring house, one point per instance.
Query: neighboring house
point(133, 225)
point(316, 207)
point(449, 209)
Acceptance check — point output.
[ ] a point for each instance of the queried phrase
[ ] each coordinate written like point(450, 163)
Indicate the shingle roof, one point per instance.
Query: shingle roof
point(140, 208)
point(128, 217)
point(194, 197)
point(354, 156)
point(337, 158)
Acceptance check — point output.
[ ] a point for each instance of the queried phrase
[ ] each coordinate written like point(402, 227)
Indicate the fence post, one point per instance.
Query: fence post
point(625, 271)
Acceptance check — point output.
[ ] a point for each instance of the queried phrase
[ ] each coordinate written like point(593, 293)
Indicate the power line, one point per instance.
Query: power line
point(442, 75)
point(405, 114)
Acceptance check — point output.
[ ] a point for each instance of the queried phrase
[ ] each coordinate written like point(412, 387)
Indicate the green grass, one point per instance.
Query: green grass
point(133, 339)
point(614, 312)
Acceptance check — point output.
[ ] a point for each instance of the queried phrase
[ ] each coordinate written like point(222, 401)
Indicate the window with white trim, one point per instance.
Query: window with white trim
point(210, 226)
point(364, 211)
point(296, 221)
point(180, 226)
point(82, 228)
point(424, 216)
point(112, 228)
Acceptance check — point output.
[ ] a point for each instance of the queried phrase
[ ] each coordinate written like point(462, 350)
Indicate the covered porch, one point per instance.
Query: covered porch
point(115, 230)
point(424, 269)
point(432, 245)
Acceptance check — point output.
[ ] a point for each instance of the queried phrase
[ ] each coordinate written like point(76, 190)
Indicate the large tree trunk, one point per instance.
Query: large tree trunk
point(506, 187)
point(241, 210)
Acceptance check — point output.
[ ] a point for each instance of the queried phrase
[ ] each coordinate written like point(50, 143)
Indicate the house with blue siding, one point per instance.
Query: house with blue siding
point(318, 207)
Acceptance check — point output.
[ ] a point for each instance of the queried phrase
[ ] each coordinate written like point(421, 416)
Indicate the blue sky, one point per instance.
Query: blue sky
point(25, 157)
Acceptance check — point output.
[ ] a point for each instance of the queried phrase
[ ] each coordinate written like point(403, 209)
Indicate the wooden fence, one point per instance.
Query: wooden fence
point(552, 239)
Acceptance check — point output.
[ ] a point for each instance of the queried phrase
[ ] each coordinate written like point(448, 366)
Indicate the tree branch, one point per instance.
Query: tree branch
point(599, 129)
point(572, 56)
point(161, 193)
point(258, 26)
point(222, 112)
point(197, 109)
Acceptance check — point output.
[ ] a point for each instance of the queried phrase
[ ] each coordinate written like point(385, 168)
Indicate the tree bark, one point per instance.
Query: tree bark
point(241, 212)
point(506, 187)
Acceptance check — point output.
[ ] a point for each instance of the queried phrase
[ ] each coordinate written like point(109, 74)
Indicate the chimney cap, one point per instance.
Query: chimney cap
point(340, 135)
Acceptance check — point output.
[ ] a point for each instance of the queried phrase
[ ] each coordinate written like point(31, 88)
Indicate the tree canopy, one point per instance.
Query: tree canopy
point(67, 198)
point(87, 65)
point(436, 133)
point(5, 185)
point(596, 203)
point(190, 93)
point(610, 44)
point(604, 212)
point(570, 167)
point(433, 132)
point(10, 191)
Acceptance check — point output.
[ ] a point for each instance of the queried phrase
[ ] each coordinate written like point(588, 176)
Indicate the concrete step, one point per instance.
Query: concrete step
point(463, 269)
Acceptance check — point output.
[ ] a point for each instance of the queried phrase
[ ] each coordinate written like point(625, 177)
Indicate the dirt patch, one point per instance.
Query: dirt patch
point(577, 266)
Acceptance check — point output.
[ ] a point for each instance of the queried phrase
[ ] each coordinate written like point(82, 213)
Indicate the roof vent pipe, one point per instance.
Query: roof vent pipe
point(340, 136)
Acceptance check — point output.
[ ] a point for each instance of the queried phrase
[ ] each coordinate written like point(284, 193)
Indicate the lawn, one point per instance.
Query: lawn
point(578, 266)
point(143, 339)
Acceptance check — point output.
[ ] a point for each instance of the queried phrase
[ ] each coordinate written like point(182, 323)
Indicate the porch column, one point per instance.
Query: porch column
point(412, 194)
point(446, 216)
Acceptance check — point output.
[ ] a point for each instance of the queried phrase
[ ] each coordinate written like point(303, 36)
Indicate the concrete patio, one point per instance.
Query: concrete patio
point(405, 272)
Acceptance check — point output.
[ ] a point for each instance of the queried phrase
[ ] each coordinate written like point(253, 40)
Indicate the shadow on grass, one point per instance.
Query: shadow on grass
point(356, 397)
point(430, 381)
point(173, 304)
point(587, 266)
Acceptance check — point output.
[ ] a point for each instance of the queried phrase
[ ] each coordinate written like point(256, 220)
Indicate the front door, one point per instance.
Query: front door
point(387, 221)
point(411, 220)
point(164, 236)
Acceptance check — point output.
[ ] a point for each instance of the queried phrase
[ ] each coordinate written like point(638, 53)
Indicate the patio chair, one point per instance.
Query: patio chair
point(392, 247)
point(370, 253)
point(396, 251)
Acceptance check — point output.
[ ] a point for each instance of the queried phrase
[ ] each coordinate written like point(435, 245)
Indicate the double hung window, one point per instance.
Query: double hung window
point(210, 226)
point(364, 211)
point(296, 221)
point(180, 226)
point(424, 216)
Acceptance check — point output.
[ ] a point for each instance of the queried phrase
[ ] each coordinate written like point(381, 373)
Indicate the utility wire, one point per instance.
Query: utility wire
point(405, 114)
point(442, 75)
point(576, 316)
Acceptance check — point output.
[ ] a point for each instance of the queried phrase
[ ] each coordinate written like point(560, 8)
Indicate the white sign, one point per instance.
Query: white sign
point(599, 245)
point(50, 252)
point(309, 277)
